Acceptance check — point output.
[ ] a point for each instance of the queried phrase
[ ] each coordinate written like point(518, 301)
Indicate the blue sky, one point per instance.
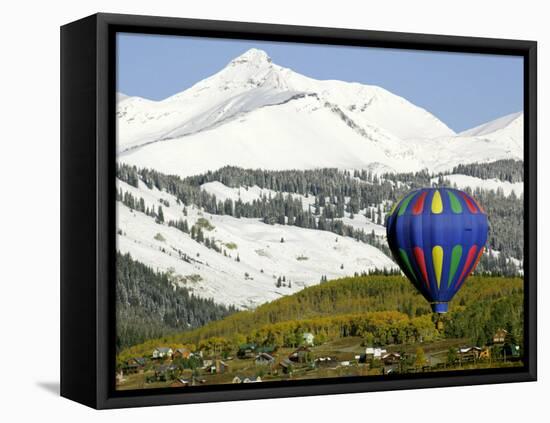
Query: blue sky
point(463, 90)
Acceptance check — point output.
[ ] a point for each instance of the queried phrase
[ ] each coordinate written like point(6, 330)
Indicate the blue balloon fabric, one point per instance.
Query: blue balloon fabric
point(437, 236)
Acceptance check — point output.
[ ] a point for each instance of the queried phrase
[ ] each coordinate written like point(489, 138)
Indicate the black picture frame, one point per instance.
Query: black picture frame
point(88, 87)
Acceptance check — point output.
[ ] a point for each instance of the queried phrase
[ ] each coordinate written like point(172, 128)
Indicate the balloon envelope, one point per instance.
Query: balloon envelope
point(437, 236)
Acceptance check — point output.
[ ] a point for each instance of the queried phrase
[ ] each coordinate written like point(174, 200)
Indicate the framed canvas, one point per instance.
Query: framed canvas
point(257, 211)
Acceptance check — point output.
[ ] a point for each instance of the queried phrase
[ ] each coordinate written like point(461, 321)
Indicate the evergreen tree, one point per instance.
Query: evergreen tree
point(160, 215)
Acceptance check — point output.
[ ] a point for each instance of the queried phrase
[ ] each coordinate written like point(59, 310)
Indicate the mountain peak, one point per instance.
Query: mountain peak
point(494, 125)
point(253, 56)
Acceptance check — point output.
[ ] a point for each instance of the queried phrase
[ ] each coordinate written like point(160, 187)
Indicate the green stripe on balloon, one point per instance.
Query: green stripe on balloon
point(455, 204)
point(404, 204)
point(456, 255)
point(405, 259)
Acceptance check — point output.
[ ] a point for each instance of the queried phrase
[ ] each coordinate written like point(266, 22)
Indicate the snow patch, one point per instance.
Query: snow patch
point(466, 181)
point(262, 256)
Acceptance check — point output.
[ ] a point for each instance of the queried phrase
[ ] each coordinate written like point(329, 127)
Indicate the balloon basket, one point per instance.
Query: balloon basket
point(440, 308)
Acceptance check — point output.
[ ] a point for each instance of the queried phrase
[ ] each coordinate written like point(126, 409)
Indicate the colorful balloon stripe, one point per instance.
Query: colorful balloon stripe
point(477, 260)
point(419, 204)
point(469, 203)
point(437, 258)
point(478, 206)
point(456, 255)
point(466, 269)
point(404, 204)
point(455, 204)
point(419, 256)
point(393, 207)
point(405, 258)
point(437, 204)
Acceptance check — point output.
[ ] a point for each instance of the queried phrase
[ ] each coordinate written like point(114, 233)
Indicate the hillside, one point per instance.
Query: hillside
point(246, 236)
point(385, 309)
point(150, 304)
point(226, 253)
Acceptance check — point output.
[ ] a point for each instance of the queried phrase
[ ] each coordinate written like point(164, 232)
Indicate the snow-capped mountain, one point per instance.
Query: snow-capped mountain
point(511, 122)
point(252, 81)
point(496, 140)
point(256, 114)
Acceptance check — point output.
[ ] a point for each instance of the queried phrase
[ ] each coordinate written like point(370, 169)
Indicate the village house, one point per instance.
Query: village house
point(140, 361)
point(134, 365)
point(286, 366)
point(215, 366)
point(308, 338)
point(501, 336)
point(270, 349)
point(165, 371)
point(242, 379)
point(301, 355)
point(391, 358)
point(181, 353)
point(392, 362)
point(246, 350)
point(325, 362)
point(130, 368)
point(264, 359)
point(374, 353)
point(469, 353)
point(162, 352)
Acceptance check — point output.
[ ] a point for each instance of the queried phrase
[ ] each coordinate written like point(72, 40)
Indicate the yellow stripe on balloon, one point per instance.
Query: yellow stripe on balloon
point(393, 207)
point(437, 204)
point(437, 258)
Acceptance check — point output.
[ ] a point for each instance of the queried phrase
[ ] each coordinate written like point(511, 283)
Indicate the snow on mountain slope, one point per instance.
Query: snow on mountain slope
point(300, 134)
point(251, 81)
point(248, 194)
point(498, 140)
point(360, 221)
point(442, 154)
point(303, 257)
point(121, 97)
point(494, 125)
point(256, 114)
point(466, 181)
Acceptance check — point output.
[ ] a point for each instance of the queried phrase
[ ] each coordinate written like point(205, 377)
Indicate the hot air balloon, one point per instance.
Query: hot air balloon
point(437, 236)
